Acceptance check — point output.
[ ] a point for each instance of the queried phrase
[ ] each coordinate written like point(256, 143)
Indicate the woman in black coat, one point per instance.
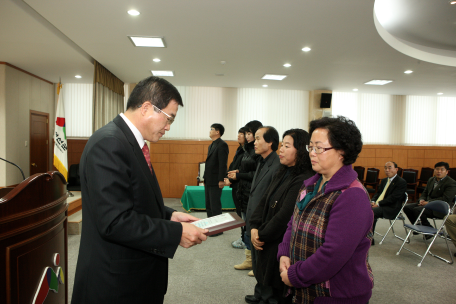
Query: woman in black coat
point(269, 220)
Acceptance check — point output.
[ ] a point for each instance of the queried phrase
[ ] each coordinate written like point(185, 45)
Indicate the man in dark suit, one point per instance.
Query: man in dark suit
point(128, 233)
point(266, 145)
point(439, 187)
point(215, 171)
point(387, 202)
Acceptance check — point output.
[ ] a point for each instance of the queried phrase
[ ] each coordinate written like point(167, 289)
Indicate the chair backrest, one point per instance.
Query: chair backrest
point(452, 173)
point(73, 175)
point(372, 175)
point(426, 174)
point(360, 170)
point(201, 167)
point(399, 171)
point(410, 175)
point(438, 206)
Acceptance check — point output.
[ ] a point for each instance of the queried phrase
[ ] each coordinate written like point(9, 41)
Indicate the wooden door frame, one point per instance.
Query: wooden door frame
point(32, 112)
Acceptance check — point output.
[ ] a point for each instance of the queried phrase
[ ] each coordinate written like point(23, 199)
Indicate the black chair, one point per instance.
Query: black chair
point(399, 171)
point(399, 216)
point(410, 176)
point(372, 180)
point(360, 170)
point(74, 181)
point(425, 175)
point(452, 173)
point(437, 206)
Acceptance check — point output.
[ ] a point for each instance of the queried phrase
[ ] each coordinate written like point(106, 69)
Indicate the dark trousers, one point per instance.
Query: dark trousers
point(413, 211)
point(236, 202)
point(378, 213)
point(213, 195)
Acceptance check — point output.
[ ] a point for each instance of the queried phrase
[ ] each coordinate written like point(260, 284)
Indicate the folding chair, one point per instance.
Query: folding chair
point(438, 206)
point(199, 178)
point(399, 216)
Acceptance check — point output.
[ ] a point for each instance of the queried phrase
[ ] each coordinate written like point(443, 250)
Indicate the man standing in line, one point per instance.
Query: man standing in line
point(387, 202)
point(129, 234)
point(215, 171)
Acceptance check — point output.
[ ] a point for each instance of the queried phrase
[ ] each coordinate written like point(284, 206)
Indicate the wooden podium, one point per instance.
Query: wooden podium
point(33, 230)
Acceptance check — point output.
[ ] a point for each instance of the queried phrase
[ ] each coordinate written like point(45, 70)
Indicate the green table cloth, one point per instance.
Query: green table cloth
point(194, 199)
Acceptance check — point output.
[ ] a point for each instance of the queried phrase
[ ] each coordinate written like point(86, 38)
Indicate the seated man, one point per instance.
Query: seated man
point(387, 202)
point(450, 226)
point(440, 187)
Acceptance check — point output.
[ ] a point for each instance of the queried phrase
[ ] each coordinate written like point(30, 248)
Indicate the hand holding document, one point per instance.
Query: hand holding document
point(220, 223)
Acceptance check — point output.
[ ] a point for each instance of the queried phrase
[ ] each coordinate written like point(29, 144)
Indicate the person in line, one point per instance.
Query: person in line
point(245, 176)
point(233, 184)
point(269, 220)
point(440, 187)
point(215, 171)
point(324, 253)
point(387, 202)
point(129, 234)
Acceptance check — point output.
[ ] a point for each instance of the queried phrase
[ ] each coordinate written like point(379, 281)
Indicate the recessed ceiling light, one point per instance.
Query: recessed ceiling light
point(452, 2)
point(133, 12)
point(156, 59)
point(78, 76)
point(378, 82)
point(265, 85)
point(147, 41)
point(287, 65)
point(306, 49)
point(408, 72)
point(163, 73)
point(273, 77)
point(440, 93)
point(356, 90)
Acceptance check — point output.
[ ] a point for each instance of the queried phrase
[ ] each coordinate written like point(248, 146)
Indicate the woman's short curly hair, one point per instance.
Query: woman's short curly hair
point(343, 135)
point(300, 140)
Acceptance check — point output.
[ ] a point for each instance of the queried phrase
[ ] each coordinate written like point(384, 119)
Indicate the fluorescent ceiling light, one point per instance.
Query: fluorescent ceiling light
point(439, 93)
point(265, 85)
point(78, 76)
point(408, 72)
point(147, 41)
point(355, 90)
point(378, 82)
point(133, 12)
point(306, 49)
point(156, 59)
point(163, 73)
point(287, 65)
point(274, 77)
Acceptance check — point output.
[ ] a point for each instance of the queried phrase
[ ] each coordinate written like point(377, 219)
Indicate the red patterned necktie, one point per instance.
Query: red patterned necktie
point(145, 151)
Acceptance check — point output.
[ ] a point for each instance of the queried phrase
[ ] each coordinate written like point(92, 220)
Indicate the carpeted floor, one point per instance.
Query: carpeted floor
point(205, 274)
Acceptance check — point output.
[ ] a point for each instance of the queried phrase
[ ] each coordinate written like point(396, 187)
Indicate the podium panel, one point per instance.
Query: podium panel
point(33, 241)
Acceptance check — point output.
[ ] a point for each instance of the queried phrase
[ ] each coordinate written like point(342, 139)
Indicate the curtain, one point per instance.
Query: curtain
point(78, 109)
point(108, 96)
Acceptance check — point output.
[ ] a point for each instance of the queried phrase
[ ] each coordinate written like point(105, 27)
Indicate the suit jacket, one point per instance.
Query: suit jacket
point(215, 167)
point(127, 237)
point(445, 191)
point(394, 196)
point(261, 181)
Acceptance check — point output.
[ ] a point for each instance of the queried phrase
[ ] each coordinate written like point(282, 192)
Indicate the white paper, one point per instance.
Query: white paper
point(214, 221)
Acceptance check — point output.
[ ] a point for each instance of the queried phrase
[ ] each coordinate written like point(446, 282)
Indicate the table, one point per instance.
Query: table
point(194, 199)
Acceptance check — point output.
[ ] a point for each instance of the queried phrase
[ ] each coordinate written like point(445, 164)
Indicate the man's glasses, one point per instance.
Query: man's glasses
point(169, 118)
point(317, 150)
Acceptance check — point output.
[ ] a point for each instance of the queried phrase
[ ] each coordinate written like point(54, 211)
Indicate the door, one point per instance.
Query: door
point(39, 142)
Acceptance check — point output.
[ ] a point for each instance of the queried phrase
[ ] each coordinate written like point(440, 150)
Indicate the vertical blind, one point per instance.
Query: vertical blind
point(77, 99)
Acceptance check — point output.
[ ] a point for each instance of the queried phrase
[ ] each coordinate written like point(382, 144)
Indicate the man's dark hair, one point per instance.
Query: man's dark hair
point(242, 130)
point(271, 135)
point(219, 127)
point(300, 140)
point(343, 135)
point(395, 165)
point(253, 126)
point(156, 90)
point(442, 164)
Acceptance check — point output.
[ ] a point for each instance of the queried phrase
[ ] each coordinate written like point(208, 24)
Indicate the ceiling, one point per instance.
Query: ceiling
point(349, 40)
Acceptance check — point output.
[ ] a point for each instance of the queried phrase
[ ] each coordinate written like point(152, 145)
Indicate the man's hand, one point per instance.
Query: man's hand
point(423, 203)
point(256, 240)
point(183, 217)
point(221, 184)
point(192, 235)
point(374, 204)
point(284, 263)
point(232, 174)
point(284, 276)
point(227, 182)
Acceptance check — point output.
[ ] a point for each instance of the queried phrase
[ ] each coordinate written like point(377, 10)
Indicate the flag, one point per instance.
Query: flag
point(60, 140)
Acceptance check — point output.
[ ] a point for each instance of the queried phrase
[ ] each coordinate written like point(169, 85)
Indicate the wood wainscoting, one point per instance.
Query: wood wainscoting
point(176, 161)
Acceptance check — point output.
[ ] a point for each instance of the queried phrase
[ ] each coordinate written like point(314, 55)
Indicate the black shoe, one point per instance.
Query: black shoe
point(427, 237)
point(251, 299)
point(373, 242)
point(217, 234)
point(454, 254)
point(415, 233)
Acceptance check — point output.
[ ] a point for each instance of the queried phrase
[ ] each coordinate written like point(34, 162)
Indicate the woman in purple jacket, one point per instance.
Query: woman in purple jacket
point(324, 253)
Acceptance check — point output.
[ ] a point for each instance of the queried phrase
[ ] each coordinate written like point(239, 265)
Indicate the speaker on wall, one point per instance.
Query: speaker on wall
point(325, 101)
